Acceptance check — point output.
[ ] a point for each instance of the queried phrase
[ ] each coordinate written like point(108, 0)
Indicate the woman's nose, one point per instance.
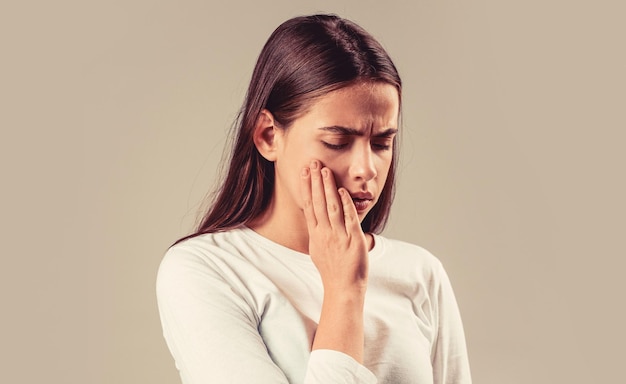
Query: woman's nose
point(362, 163)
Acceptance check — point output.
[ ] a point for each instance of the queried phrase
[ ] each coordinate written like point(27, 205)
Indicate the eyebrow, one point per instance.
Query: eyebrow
point(355, 132)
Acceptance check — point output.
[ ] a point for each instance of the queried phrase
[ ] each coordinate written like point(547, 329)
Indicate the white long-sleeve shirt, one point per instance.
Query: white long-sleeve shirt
point(238, 308)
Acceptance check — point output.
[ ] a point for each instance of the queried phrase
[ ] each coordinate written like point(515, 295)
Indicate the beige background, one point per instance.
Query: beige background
point(114, 116)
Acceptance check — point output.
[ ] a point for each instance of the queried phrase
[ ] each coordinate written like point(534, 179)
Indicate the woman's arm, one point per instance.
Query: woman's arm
point(210, 328)
point(449, 354)
point(338, 249)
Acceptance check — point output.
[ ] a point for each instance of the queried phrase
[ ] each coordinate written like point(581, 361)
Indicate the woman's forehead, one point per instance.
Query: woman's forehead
point(357, 107)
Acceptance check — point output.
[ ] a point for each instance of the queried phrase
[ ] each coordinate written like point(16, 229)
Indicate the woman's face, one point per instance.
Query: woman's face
point(351, 132)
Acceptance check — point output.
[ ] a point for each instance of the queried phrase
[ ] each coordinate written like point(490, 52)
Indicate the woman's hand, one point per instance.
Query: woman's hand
point(337, 244)
point(338, 249)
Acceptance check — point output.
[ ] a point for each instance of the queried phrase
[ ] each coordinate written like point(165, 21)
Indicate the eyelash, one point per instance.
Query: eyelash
point(335, 147)
point(338, 147)
point(382, 147)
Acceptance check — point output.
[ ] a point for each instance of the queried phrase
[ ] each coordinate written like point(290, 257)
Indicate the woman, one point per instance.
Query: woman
point(286, 280)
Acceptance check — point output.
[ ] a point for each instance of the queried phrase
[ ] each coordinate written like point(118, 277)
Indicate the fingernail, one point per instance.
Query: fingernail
point(305, 171)
point(313, 164)
point(325, 172)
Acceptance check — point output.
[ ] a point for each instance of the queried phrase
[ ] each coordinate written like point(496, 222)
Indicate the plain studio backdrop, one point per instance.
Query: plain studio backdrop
point(115, 113)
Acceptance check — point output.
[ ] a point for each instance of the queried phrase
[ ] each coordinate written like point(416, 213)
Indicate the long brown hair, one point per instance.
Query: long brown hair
point(304, 58)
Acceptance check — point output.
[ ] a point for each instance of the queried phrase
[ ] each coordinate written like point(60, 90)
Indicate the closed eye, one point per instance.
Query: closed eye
point(334, 146)
point(381, 145)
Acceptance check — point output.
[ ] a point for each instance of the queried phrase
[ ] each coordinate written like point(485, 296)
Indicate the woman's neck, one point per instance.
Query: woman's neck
point(288, 228)
point(283, 226)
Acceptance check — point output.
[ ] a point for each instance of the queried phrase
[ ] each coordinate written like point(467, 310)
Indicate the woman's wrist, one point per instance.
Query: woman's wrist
point(345, 296)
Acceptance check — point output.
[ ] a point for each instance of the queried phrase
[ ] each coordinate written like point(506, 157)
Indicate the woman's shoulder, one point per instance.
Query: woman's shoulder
point(207, 253)
point(205, 274)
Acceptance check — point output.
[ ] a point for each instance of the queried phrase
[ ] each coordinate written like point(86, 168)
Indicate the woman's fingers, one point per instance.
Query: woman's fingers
point(318, 196)
point(323, 204)
point(307, 200)
point(351, 217)
point(333, 201)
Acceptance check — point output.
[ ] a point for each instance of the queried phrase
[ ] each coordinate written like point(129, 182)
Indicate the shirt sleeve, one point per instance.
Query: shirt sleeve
point(449, 355)
point(212, 331)
point(328, 366)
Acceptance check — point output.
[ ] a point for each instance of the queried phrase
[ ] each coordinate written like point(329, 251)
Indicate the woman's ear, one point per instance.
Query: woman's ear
point(264, 135)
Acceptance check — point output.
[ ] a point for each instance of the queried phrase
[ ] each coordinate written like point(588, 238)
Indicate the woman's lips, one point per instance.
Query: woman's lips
point(362, 201)
point(362, 205)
